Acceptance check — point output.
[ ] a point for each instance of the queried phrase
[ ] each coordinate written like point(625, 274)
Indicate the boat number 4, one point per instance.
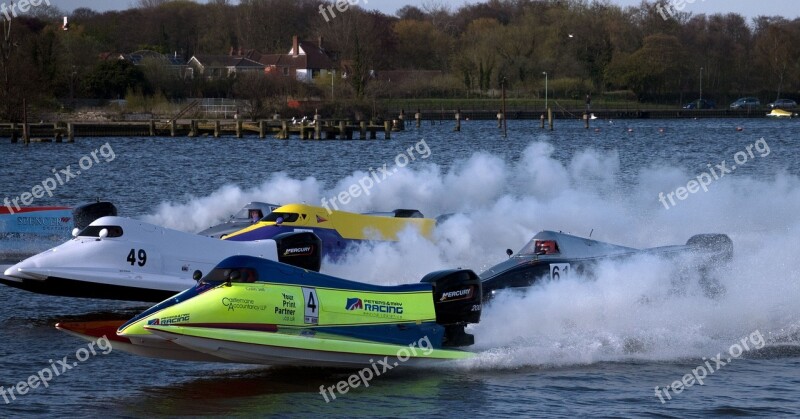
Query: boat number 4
point(559, 270)
point(312, 306)
point(142, 257)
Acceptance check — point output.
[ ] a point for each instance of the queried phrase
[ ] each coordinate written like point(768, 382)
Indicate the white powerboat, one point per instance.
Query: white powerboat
point(123, 259)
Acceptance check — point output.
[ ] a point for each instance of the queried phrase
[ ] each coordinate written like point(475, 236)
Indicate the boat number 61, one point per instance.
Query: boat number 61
point(142, 257)
point(559, 270)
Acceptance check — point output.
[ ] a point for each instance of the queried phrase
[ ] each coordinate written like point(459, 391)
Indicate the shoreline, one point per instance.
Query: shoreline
point(329, 129)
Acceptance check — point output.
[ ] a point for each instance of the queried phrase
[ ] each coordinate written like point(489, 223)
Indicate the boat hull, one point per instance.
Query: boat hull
point(265, 348)
point(159, 349)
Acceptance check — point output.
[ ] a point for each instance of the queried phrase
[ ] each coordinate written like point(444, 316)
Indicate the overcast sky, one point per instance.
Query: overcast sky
point(749, 8)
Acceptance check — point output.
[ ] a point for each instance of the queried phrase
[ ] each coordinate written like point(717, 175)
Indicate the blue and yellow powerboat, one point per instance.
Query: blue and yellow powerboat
point(336, 229)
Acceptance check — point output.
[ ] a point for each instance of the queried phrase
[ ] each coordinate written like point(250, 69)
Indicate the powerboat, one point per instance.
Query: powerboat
point(123, 259)
point(554, 255)
point(256, 311)
point(780, 113)
point(26, 231)
point(245, 217)
point(336, 229)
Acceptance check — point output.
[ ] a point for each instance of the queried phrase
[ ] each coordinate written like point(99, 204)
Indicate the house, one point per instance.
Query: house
point(171, 62)
point(306, 61)
point(222, 66)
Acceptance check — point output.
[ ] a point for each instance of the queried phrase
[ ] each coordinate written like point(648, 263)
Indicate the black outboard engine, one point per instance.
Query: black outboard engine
point(457, 300)
point(718, 246)
point(86, 214)
point(300, 249)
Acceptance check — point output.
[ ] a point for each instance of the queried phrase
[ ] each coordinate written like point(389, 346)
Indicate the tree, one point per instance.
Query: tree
point(776, 52)
point(420, 45)
point(655, 69)
point(112, 79)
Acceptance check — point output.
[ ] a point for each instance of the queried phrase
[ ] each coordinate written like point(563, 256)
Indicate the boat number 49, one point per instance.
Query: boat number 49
point(559, 270)
point(141, 260)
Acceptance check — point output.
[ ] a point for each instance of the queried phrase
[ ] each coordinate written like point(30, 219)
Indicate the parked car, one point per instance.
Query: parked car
point(746, 103)
point(783, 104)
point(701, 104)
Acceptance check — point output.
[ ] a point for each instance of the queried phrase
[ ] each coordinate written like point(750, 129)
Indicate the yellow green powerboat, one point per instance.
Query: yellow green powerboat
point(256, 311)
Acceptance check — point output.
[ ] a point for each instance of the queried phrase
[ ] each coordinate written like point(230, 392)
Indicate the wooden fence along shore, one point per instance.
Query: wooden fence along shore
point(324, 129)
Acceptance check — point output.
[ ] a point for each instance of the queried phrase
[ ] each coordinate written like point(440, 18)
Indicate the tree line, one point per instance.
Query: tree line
point(584, 47)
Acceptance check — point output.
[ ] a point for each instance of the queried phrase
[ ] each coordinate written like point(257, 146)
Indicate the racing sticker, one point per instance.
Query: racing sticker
point(559, 270)
point(311, 306)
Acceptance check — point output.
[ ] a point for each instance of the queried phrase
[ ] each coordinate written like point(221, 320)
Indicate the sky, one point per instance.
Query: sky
point(747, 8)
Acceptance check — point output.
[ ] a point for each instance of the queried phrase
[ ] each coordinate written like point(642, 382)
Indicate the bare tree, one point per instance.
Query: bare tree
point(150, 4)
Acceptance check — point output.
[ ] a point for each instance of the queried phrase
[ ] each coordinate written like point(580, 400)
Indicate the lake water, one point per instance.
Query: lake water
point(579, 347)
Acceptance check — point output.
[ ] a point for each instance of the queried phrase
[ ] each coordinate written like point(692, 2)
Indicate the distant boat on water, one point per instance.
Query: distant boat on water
point(780, 113)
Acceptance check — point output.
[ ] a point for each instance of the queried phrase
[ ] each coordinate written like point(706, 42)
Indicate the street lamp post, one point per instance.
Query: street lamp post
point(545, 90)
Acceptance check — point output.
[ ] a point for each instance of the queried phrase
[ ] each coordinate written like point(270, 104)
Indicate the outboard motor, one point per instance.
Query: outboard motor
point(720, 246)
point(300, 249)
point(457, 300)
point(86, 214)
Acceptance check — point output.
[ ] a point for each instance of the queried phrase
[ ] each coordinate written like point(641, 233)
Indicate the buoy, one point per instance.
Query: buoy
point(739, 129)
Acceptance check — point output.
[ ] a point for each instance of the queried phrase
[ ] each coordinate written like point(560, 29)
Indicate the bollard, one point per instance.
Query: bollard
point(342, 130)
point(238, 128)
point(152, 128)
point(458, 121)
point(70, 132)
point(172, 128)
point(363, 130)
point(542, 119)
point(217, 129)
point(317, 126)
point(550, 117)
point(192, 128)
point(284, 134)
point(262, 129)
point(401, 124)
point(387, 129)
point(418, 118)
